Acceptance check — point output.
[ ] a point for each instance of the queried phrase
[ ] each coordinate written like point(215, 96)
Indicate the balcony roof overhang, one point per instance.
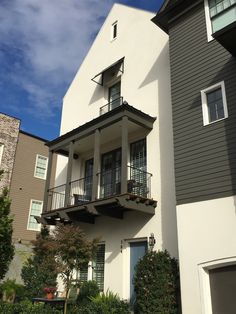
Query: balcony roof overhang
point(111, 207)
point(136, 116)
point(226, 37)
point(98, 78)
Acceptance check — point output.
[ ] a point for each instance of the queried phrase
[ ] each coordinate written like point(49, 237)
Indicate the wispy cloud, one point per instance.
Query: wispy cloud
point(45, 42)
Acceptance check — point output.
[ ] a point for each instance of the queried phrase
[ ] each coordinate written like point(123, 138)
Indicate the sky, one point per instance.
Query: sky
point(42, 44)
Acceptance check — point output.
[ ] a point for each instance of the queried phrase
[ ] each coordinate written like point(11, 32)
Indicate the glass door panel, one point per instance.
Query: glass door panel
point(114, 96)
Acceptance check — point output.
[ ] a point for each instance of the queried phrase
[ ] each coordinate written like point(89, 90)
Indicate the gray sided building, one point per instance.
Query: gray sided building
point(202, 36)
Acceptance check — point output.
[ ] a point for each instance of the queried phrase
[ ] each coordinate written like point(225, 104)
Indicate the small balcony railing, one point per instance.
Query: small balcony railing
point(56, 197)
point(81, 191)
point(111, 105)
point(109, 184)
point(138, 182)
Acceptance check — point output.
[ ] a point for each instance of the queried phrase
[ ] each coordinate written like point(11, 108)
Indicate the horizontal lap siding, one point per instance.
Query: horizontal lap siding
point(205, 156)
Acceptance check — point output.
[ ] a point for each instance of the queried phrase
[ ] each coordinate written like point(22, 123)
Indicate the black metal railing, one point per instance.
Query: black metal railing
point(56, 197)
point(138, 182)
point(109, 184)
point(111, 105)
point(81, 191)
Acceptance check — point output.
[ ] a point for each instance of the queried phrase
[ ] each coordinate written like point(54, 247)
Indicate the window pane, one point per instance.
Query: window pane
point(35, 210)
point(41, 167)
point(215, 105)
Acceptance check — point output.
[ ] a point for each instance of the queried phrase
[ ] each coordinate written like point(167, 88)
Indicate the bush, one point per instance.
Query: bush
point(10, 290)
point(88, 289)
point(105, 303)
point(27, 308)
point(156, 284)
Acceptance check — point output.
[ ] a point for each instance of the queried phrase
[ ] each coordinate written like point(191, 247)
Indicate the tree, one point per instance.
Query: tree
point(156, 284)
point(72, 251)
point(40, 269)
point(6, 229)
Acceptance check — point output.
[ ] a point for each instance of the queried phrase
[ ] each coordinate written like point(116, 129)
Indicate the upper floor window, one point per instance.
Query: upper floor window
point(35, 210)
point(41, 167)
point(114, 95)
point(219, 14)
point(1, 152)
point(214, 105)
point(114, 31)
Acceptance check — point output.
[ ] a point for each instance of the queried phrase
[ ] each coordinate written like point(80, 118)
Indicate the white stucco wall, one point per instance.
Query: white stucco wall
point(207, 238)
point(145, 84)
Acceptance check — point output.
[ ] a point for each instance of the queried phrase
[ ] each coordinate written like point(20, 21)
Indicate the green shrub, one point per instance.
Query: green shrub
point(156, 284)
point(10, 290)
point(104, 303)
point(87, 290)
point(27, 308)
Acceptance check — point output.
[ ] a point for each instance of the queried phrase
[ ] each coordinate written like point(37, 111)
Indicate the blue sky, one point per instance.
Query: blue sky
point(42, 44)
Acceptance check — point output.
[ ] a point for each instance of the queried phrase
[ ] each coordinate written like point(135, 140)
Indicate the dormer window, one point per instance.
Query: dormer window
point(114, 31)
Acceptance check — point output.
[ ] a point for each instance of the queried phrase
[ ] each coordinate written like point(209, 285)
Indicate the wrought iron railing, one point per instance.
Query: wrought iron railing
point(81, 191)
point(109, 184)
point(111, 105)
point(138, 182)
point(56, 197)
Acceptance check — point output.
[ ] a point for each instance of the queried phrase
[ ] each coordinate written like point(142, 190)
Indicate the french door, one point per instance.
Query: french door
point(114, 95)
point(111, 173)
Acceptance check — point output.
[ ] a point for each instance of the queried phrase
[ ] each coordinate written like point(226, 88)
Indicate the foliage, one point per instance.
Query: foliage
point(156, 284)
point(105, 303)
point(6, 229)
point(10, 289)
point(26, 308)
point(72, 251)
point(87, 290)
point(40, 269)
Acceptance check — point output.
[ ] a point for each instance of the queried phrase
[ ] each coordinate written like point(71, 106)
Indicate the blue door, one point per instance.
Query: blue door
point(137, 251)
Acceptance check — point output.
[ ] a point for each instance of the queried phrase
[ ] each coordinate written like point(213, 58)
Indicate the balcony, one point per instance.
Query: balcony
point(223, 19)
point(109, 200)
point(113, 186)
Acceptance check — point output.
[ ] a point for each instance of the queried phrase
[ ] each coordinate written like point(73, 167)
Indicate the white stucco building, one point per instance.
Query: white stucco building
point(115, 175)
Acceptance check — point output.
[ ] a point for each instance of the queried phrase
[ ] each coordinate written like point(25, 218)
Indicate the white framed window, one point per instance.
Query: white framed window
point(1, 152)
point(214, 104)
point(114, 29)
point(35, 210)
point(41, 167)
point(219, 14)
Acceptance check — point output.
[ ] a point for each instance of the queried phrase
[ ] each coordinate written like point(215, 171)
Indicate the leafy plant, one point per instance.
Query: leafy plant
point(156, 284)
point(10, 289)
point(87, 290)
point(40, 269)
point(6, 229)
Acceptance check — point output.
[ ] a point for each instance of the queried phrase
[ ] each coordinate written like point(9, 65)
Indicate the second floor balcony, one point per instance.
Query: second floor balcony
point(109, 182)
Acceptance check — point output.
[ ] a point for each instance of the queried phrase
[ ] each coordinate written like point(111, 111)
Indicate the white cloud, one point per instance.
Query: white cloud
point(52, 36)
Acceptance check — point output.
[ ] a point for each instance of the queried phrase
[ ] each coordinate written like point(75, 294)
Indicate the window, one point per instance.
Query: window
point(114, 31)
point(41, 167)
point(219, 13)
point(95, 271)
point(114, 96)
point(214, 105)
point(35, 210)
point(1, 151)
